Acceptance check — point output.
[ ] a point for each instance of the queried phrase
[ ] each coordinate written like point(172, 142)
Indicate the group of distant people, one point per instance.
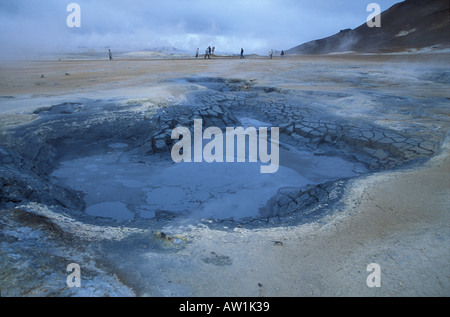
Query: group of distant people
point(271, 54)
point(210, 51)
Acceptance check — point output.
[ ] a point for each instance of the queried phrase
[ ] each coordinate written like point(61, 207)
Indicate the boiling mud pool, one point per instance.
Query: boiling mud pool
point(122, 185)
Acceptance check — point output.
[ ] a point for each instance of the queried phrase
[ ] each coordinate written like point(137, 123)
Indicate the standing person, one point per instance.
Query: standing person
point(207, 53)
point(242, 53)
point(196, 53)
point(110, 55)
point(271, 53)
point(209, 49)
point(282, 54)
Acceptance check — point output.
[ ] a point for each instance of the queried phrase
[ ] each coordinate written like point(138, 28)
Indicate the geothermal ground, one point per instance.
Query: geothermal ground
point(86, 177)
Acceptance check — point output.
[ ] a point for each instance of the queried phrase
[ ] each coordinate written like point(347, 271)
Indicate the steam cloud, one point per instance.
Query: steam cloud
point(29, 28)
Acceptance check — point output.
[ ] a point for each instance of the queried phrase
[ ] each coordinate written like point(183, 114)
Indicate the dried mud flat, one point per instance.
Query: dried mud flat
point(365, 178)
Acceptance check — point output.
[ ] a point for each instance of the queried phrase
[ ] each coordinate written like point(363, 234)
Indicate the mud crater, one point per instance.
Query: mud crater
point(109, 160)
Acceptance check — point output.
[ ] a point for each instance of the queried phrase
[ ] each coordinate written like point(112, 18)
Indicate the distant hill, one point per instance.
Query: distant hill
point(411, 24)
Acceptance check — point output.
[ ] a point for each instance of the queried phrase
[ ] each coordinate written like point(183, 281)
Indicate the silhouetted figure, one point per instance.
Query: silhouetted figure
point(271, 54)
point(242, 53)
point(110, 55)
point(196, 53)
point(207, 53)
point(282, 54)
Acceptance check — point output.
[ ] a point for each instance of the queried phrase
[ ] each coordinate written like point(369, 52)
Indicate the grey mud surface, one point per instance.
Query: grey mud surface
point(294, 247)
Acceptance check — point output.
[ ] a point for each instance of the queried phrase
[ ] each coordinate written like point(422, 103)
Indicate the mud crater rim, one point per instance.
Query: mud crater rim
point(146, 134)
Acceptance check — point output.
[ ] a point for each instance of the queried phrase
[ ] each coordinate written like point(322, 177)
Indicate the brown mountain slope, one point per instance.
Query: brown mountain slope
point(411, 24)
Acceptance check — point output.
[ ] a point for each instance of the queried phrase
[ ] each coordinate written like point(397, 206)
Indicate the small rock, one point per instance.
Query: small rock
point(160, 235)
point(159, 145)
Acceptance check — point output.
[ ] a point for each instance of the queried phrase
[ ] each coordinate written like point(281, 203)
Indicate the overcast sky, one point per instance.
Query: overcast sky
point(30, 26)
